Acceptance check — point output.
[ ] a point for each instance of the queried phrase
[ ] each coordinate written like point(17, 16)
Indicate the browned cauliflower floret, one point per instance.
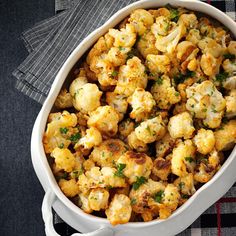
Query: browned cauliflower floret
point(77, 83)
point(229, 66)
point(142, 197)
point(231, 104)
point(210, 65)
point(204, 140)
point(142, 103)
point(64, 159)
point(69, 187)
point(118, 56)
point(158, 64)
point(61, 123)
point(183, 159)
point(126, 37)
point(188, 20)
point(181, 126)
point(92, 138)
point(83, 200)
point(171, 197)
point(64, 100)
point(193, 36)
point(118, 102)
point(161, 26)
point(146, 44)
point(165, 94)
point(162, 167)
point(151, 130)
point(105, 119)
point(206, 103)
point(125, 128)
point(226, 136)
point(119, 211)
point(179, 108)
point(98, 199)
point(131, 76)
point(165, 145)
point(108, 152)
point(141, 20)
point(186, 184)
point(135, 165)
point(232, 47)
point(87, 98)
point(204, 173)
point(230, 83)
point(136, 143)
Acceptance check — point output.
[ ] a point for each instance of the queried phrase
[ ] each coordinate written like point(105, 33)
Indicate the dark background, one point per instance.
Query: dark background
point(20, 191)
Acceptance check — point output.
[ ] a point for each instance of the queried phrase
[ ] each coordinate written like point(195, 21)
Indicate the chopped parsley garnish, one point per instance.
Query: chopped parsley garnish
point(61, 145)
point(133, 201)
point(75, 137)
point(174, 13)
point(176, 94)
point(77, 173)
point(229, 56)
point(180, 78)
point(159, 196)
point(148, 129)
point(121, 48)
point(221, 77)
point(62, 176)
point(185, 196)
point(181, 185)
point(120, 167)
point(189, 159)
point(64, 130)
point(114, 73)
point(140, 180)
point(159, 81)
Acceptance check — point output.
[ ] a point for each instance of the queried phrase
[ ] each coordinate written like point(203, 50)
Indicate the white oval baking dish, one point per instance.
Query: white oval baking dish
point(72, 214)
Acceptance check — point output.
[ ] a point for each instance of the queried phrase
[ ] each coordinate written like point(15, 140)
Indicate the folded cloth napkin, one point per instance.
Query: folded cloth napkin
point(51, 41)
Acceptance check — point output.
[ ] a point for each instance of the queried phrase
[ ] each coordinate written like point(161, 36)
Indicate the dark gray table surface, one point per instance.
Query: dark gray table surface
point(20, 192)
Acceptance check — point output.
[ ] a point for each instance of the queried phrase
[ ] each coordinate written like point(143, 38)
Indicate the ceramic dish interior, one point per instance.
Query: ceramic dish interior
point(206, 195)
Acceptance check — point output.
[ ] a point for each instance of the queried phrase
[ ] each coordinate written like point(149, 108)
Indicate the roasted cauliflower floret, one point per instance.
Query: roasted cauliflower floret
point(76, 84)
point(181, 126)
point(210, 65)
point(161, 168)
point(204, 173)
point(171, 197)
point(64, 159)
point(164, 94)
point(186, 184)
point(118, 56)
point(141, 20)
point(206, 103)
point(87, 98)
point(164, 146)
point(136, 143)
point(83, 199)
point(98, 199)
point(108, 152)
point(113, 178)
point(204, 140)
point(92, 138)
point(118, 102)
point(161, 26)
point(229, 66)
point(142, 103)
point(125, 128)
point(226, 136)
point(232, 47)
point(193, 36)
point(231, 104)
point(183, 160)
point(125, 37)
point(53, 136)
point(69, 187)
point(151, 130)
point(130, 77)
point(230, 83)
point(158, 64)
point(135, 165)
point(64, 100)
point(146, 44)
point(119, 211)
point(188, 20)
point(105, 119)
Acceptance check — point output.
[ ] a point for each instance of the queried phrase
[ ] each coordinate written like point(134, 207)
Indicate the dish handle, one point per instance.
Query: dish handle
point(48, 201)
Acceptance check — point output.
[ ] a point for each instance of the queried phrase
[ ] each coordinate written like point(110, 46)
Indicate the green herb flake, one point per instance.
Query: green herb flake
point(61, 145)
point(174, 14)
point(140, 180)
point(159, 196)
point(63, 130)
point(176, 94)
point(229, 56)
point(180, 78)
point(114, 73)
point(189, 159)
point(75, 137)
point(133, 201)
point(185, 196)
point(221, 77)
point(148, 129)
point(181, 185)
point(120, 167)
point(121, 48)
point(159, 81)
